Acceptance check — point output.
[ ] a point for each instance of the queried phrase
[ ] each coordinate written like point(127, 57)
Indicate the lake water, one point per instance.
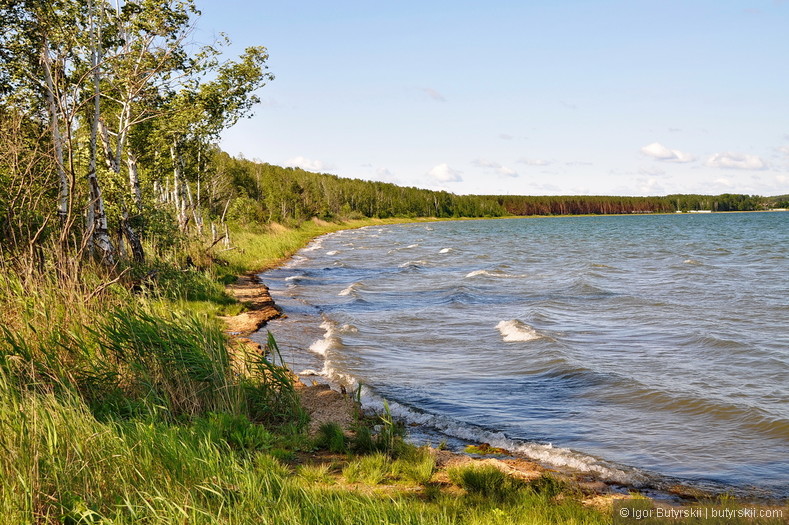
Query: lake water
point(643, 349)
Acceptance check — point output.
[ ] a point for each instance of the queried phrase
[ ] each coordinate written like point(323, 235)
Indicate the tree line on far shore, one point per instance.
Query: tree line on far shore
point(262, 192)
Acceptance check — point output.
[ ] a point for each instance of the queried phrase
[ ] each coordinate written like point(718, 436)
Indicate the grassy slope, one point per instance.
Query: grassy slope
point(115, 409)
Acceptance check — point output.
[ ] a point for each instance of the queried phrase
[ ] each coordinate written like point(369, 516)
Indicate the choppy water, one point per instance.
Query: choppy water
point(635, 347)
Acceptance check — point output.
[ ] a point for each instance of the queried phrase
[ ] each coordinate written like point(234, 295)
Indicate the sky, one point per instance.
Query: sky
point(628, 97)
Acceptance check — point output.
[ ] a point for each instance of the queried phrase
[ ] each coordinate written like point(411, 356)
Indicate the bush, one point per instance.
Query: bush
point(485, 480)
point(331, 437)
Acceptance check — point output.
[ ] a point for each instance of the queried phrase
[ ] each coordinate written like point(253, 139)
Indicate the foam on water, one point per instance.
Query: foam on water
point(349, 289)
point(544, 453)
point(329, 340)
point(413, 264)
point(492, 273)
point(517, 331)
point(332, 252)
point(317, 245)
point(445, 250)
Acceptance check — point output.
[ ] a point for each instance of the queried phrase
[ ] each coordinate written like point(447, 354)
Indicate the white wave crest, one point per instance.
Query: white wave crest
point(492, 273)
point(321, 346)
point(309, 372)
point(317, 245)
point(445, 250)
point(329, 340)
point(694, 262)
point(412, 246)
point(413, 263)
point(332, 252)
point(517, 331)
point(349, 290)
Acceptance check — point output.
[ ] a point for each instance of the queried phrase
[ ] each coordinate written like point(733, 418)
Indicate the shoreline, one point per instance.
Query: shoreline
point(325, 404)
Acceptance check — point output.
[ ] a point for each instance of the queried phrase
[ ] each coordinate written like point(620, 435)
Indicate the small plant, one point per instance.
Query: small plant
point(416, 465)
point(484, 449)
point(548, 486)
point(331, 437)
point(236, 431)
point(316, 473)
point(386, 436)
point(485, 480)
point(371, 469)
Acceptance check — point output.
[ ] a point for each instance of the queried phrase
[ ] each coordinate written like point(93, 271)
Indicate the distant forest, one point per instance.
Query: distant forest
point(263, 192)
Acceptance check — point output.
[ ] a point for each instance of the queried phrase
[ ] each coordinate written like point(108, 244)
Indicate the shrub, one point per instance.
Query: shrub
point(331, 437)
point(485, 480)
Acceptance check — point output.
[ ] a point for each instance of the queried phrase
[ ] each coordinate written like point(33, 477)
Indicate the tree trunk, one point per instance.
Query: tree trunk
point(178, 183)
point(99, 234)
point(134, 181)
point(57, 138)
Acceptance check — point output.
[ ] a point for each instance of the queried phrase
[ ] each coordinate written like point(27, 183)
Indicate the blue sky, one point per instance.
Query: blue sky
point(530, 97)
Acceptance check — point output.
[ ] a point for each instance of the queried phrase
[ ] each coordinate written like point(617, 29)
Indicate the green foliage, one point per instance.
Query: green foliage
point(484, 480)
point(245, 211)
point(331, 437)
point(234, 430)
point(371, 469)
point(547, 486)
point(386, 436)
point(416, 465)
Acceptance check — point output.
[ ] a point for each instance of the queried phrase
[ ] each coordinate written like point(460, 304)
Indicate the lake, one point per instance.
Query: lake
point(643, 349)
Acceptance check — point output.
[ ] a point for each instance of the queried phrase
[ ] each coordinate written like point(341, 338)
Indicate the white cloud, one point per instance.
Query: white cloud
point(784, 150)
point(736, 161)
point(483, 163)
point(723, 182)
point(307, 164)
point(505, 136)
point(498, 168)
point(443, 173)
point(435, 95)
point(658, 151)
point(533, 162)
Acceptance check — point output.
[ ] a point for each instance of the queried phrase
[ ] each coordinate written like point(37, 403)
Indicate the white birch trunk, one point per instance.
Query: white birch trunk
point(57, 138)
point(99, 233)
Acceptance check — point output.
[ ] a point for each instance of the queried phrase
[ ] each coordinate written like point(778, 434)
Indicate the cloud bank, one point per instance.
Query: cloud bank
point(736, 161)
point(307, 164)
point(660, 152)
point(443, 173)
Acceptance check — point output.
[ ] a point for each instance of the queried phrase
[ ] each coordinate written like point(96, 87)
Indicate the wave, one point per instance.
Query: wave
point(445, 250)
point(350, 289)
point(413, 265)
point(693, 262)
point(545, 453)
point(517, 331)
point(329, 341)
point(317, 245)
point(332, 252)
point(492, 273)
point(299, 277)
